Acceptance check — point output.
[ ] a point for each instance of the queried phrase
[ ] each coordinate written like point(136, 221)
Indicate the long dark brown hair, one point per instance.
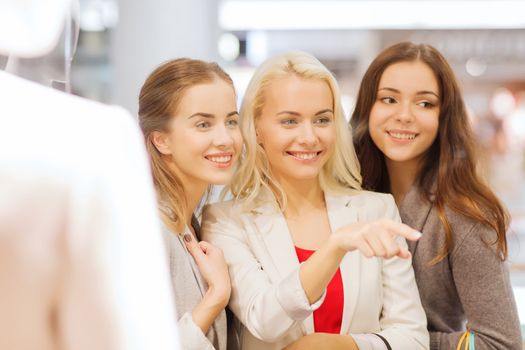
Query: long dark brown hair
point(449, 163)
point(159, 99)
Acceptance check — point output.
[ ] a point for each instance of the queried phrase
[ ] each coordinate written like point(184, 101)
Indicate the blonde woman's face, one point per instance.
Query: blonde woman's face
point(404, 119)
point(296, 127)
point(204, 140)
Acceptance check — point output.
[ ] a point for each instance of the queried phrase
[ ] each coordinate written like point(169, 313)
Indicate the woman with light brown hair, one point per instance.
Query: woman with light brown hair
point(413, 139)
point(188, 114)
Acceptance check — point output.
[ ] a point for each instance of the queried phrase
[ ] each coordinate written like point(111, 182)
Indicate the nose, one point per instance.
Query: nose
point(307, 134)
point(404, 114)
point(223, 137)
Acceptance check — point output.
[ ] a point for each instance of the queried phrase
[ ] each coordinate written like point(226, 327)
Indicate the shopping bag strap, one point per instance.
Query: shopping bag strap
point(468, 339)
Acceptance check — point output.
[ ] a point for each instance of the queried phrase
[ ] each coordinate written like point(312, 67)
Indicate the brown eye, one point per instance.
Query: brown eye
point(388, 100)
point(425, 104)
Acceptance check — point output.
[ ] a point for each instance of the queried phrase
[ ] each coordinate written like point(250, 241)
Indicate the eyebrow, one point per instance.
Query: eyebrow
point(211, 116)
point(299, 114)
point(423, 92)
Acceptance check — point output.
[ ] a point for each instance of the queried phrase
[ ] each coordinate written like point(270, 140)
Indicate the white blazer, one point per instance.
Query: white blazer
point(380, 296)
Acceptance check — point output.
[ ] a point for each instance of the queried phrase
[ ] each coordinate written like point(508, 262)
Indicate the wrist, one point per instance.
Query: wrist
point(217, 296)
point(335, 244)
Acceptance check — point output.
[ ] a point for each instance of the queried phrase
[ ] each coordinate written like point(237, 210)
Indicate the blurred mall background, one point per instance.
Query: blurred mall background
point(122, 41)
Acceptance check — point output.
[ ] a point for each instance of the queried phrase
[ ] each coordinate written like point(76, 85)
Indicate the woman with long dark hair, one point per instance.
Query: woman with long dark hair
point(413, 139)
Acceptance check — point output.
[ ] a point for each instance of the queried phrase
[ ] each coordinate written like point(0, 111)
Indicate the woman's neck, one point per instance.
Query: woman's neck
point(302, 197)
point(193, 192)
point(402, 176)
point(193, 198)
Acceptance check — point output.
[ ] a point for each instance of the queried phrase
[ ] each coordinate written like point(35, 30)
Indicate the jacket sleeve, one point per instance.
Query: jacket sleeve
point(403, 321)
point(483, 285)
point(267, 308)
point(192, 337)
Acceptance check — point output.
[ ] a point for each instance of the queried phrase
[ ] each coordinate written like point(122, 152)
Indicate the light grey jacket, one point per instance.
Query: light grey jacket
point(189, 287)
point(469, 288)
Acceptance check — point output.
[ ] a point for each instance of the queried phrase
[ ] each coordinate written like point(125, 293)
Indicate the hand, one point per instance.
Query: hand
point(321, 341)
point(213, 269)
point(375, 238)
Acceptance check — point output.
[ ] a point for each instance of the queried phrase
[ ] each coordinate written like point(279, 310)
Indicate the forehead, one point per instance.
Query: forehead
point(410, 76)
point(209, 97)
point(295, 93)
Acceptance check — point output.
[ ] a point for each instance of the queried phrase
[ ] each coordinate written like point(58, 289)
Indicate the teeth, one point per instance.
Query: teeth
point(402, 136)
point(305, 156)
point(221, 159)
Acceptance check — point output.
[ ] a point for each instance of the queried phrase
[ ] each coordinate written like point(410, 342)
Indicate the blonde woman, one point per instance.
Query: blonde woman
point(188, 114)
point(315, 262)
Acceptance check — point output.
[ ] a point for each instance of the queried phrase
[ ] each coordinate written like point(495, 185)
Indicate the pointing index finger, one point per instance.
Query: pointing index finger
point(403, 230)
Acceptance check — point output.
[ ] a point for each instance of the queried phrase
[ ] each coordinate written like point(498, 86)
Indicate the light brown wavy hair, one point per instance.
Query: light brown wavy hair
point(449, 163)
point(159, 99)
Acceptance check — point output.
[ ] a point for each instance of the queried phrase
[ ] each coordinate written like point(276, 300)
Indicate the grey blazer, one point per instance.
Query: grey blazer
point(189, 288)
point(470, 288)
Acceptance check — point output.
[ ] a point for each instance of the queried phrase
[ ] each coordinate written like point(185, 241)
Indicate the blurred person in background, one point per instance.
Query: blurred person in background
point(413, 140)
point(315, 262)
point(81, 259)
point(188, 114)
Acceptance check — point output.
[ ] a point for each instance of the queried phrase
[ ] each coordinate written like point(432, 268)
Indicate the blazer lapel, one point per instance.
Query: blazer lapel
point(273, 231)
point(340, 213)
point(414, 210)
point(274, 234)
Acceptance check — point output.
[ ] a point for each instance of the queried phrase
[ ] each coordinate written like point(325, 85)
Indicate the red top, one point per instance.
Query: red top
point(328, 317)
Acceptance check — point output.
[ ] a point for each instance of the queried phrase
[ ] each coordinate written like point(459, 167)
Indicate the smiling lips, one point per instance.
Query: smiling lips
point(402, 135)
point(305, 156)
point(220, 160)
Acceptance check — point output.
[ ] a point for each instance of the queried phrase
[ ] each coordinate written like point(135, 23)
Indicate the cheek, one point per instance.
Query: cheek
point(175, 139)
point(271, 138)
point(328, 137)
point(272, 148)
point(191, 144)
point(376, 119)
point(237, 140)
point(374, 130)
point(431, 125)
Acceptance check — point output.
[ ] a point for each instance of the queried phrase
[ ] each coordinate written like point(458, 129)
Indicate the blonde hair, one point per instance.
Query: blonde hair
point(159, 99)
point(341, 173)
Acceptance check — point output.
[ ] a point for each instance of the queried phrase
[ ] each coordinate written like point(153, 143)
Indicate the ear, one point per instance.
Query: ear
point(161, 142)
point(258, 137)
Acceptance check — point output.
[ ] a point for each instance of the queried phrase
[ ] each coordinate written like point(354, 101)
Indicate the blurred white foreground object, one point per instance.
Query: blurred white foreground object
point(82, 264)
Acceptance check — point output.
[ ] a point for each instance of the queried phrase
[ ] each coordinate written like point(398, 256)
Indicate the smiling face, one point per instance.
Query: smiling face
point(404, 119)
point(296, 127)
point(204, 140)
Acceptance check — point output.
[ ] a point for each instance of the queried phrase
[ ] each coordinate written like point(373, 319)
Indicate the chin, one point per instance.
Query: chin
point(400, 159)
point(219, 180)
point(312, 176)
